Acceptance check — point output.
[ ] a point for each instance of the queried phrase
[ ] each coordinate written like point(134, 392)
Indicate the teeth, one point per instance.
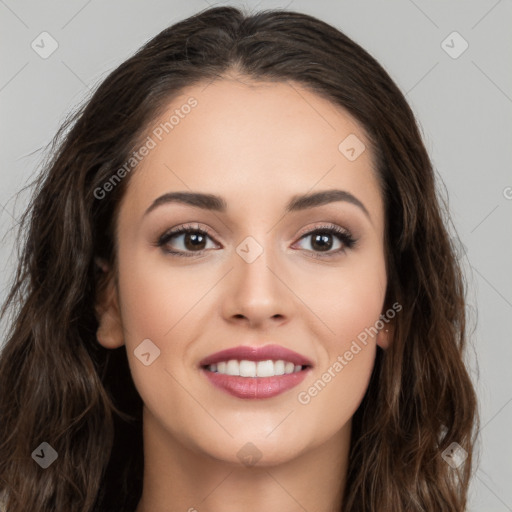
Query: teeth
point(279, 368)
point(246, 368)
point(265, 368)
point(233, 368)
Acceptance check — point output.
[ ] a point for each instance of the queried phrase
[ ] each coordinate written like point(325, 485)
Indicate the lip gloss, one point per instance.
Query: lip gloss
point(255, 387)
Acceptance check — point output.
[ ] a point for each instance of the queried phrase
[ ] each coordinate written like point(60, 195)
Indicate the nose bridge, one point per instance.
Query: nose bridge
point(255, 291)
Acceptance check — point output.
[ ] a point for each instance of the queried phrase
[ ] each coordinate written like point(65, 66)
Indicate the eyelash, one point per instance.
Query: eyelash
point(342, 234)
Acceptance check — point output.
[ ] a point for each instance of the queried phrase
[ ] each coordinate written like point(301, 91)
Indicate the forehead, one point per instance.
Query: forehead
point(254, 141)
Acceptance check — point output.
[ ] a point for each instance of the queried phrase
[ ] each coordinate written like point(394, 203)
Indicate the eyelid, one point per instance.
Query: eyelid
point(326, 225)
point(194, 226)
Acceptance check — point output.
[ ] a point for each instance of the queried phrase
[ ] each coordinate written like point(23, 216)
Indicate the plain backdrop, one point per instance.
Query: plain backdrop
point(462, 99)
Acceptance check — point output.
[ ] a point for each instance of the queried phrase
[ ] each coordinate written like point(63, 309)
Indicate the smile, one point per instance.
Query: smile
point(247, 368)
point(255, 372)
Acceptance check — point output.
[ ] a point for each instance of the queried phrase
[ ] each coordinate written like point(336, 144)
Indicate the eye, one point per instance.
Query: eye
point(327, 241)
point(185, 240)
point(188, 240)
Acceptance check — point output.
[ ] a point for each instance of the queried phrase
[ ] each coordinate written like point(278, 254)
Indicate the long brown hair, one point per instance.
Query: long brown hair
point(58, 385)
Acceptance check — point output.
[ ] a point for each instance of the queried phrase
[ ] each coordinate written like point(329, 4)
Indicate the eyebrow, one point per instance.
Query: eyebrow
point(297, 203)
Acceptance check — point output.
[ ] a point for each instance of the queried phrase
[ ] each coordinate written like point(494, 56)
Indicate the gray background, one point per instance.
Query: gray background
point(463, 104)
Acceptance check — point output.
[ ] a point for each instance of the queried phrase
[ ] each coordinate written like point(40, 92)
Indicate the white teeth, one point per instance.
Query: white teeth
point(233, 367)
point(265, 369)
point(279, 368)
point(245, 368)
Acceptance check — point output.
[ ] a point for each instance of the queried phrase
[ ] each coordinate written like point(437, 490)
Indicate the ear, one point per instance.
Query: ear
point(385, 335)
point(110, 332)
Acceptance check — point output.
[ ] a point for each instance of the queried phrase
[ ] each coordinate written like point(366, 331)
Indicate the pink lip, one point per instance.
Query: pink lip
point(256, 387)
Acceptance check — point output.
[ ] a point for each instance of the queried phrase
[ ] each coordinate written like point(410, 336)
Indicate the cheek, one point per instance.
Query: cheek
point(163, 304)
point(347, 300)
point(355, 307)
point(330, 399)
point(351, 306)
point(154, 302)
point(351, 303)
point(154, 297)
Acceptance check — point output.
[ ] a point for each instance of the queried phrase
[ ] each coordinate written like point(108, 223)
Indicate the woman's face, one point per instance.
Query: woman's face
point(252, 274)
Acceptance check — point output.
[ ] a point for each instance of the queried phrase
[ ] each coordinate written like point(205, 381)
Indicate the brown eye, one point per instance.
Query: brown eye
point(330, 240)
point(193, 241)
point(321, 242)
point(185, 240)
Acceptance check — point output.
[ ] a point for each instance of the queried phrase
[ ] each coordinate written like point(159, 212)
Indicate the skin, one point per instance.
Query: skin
point(256, 144)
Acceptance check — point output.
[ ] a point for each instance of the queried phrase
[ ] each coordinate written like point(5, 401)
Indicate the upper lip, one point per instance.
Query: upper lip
point(249, 353)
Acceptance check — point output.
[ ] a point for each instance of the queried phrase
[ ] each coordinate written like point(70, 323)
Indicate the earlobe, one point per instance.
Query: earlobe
point(110, 331)
point(385, 336)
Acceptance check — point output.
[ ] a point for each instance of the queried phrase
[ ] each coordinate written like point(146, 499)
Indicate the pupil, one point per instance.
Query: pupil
point(324, 245)
point(194, 240)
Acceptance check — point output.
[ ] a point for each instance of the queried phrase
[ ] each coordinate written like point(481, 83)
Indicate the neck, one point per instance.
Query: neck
point(177, 478)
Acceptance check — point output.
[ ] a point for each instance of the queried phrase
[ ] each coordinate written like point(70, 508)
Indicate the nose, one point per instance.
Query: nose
point(256, 294)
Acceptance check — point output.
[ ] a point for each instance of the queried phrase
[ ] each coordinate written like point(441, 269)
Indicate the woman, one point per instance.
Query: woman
point(237, 290)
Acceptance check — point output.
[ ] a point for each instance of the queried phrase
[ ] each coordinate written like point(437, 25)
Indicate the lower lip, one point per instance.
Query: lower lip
point(255, 387)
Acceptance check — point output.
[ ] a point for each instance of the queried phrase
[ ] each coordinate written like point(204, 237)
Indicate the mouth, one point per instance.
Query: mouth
point(255, 372)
